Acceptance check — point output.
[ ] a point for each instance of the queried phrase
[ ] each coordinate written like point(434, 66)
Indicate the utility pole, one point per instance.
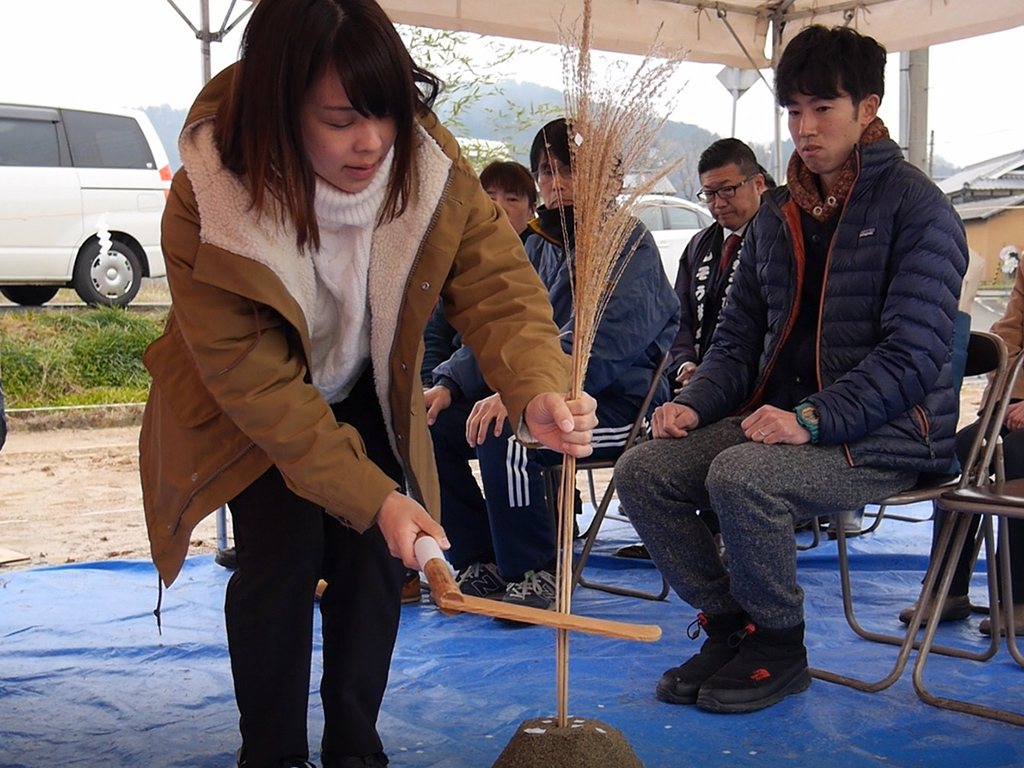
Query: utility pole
point(914, 107)
point(931, 156)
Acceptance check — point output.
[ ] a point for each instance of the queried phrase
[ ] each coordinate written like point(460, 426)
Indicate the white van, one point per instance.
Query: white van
point(673, 222)
point(81, 197)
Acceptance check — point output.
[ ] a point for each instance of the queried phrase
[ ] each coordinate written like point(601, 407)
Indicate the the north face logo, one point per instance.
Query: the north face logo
point(760, 675)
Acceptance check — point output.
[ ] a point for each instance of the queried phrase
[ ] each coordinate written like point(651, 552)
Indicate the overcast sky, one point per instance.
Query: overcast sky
point(139, 53)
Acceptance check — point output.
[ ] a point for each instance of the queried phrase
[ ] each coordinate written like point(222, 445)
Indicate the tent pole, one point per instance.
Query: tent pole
point(204, 39)
point(205, 35)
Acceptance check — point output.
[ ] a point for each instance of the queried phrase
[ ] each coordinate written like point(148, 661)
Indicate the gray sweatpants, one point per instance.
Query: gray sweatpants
point(758, 491)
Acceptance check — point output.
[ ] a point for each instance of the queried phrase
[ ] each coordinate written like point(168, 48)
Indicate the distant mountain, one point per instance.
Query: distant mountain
point(513, 113)
point(510, 115)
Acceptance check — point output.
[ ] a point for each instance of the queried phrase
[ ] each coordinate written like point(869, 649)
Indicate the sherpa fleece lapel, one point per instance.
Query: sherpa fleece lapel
point(227, 221)
point(396, 246)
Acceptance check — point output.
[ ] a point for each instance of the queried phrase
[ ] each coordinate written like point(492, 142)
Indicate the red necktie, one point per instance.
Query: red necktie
point(732, 244)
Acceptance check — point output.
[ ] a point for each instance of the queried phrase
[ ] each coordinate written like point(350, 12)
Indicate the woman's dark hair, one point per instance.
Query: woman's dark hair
point(510, 177)
point(552, 139)
point(823, 62)
point(288, 45)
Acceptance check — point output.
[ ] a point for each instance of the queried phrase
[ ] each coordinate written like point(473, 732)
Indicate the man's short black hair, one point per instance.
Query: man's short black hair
point(726, 151)
point(824, 62)
point(552, 139)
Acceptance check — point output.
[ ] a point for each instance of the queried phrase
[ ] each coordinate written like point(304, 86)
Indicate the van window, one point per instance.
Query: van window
point(682, 218)
point(650, 216)
point(30, 143)
point(106, 141)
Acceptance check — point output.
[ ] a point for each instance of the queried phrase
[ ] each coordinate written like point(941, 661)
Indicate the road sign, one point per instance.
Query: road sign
point(738, 81)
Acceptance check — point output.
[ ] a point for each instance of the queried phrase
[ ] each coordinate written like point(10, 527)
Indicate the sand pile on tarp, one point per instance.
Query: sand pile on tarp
point(541, 743)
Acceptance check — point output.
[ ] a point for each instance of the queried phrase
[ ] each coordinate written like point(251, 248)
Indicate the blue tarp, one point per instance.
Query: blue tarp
point(86, 680)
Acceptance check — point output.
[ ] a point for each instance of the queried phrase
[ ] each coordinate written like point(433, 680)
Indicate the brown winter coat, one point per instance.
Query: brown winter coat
point(231, 392)
point(1010, 328)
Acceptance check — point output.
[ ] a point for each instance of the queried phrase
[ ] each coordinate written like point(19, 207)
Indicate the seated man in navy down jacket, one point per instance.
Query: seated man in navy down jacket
point(504, 544)
point(828, 384)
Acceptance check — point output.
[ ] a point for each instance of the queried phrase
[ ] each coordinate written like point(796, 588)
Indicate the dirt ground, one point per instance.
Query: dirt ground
point(69, 488)
point(72, 495)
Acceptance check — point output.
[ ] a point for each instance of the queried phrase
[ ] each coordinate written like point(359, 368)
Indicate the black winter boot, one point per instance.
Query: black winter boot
point(680, 685)
point(770, 664)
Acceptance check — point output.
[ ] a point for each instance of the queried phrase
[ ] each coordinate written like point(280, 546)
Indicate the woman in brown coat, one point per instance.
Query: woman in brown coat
point(320, 214)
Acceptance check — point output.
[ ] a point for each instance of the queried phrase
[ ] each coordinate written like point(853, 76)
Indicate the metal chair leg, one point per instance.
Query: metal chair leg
point(226, 555)
point(595, 527)
point(927, 604)
point(815, 536)
point(552, 482)
point(959, 705)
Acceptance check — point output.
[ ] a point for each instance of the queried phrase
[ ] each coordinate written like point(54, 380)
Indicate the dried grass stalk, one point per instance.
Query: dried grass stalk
point(613, 125)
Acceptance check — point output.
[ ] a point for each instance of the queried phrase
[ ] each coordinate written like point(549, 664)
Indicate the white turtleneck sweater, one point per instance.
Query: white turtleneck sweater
point(340, 327)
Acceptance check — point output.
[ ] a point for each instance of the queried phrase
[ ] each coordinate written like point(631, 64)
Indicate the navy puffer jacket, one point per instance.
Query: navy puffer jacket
point(636, 330)
point(889, 299)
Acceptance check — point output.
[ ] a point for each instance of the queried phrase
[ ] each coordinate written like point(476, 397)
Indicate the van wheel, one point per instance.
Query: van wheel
point(29, 295)
point(110, 278)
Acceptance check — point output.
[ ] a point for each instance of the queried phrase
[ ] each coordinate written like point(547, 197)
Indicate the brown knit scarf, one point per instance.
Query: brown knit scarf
point(803, 184)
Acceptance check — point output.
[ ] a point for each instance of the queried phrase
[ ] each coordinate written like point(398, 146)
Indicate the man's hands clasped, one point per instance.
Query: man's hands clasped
point(768, 424)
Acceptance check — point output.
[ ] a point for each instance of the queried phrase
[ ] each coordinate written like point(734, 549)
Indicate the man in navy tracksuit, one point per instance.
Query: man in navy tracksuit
point(828, 384)
point(503, 542)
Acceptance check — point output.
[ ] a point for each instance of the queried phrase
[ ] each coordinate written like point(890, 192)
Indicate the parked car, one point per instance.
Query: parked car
point(81, 197)
point(672, 221)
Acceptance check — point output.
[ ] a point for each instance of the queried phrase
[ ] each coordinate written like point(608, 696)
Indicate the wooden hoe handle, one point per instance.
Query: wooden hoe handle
point(451, 601)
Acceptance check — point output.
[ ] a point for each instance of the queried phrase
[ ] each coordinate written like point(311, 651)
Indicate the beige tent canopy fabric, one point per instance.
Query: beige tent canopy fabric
point(736, 33)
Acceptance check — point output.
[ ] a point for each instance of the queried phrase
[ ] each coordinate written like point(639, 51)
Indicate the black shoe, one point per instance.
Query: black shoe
point(852, 522)
point(379, 760)
point(680, 685)
point(537, 590)
point(770, 665)
point(292, 763)
point(954, 608)
point(1018, 622)
point(633, 552)
point(226, 558)
point(481, 580)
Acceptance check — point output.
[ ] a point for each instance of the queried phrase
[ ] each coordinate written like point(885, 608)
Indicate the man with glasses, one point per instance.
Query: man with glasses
point(731, 186)
point(829, 384)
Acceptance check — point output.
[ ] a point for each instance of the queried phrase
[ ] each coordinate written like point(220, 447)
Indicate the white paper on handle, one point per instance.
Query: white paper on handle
point(427, 549)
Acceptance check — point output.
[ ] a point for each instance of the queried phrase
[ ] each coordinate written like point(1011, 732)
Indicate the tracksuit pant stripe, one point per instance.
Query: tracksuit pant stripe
point(515, 471)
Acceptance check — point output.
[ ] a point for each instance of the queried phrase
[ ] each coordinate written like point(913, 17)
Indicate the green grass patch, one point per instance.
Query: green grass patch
point(86, 357)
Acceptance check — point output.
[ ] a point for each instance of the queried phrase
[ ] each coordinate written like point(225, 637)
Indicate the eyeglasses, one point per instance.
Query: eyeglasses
point(546, 172)
point(722, 193)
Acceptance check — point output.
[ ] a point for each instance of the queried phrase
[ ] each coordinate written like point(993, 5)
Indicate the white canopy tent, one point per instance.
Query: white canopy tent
point(746, 34)
point(737, 33)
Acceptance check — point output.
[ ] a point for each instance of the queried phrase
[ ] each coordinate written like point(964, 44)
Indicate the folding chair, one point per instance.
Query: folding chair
point(1004, 499)
point(986, 353)
point(926, 487)
point(552, 480)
